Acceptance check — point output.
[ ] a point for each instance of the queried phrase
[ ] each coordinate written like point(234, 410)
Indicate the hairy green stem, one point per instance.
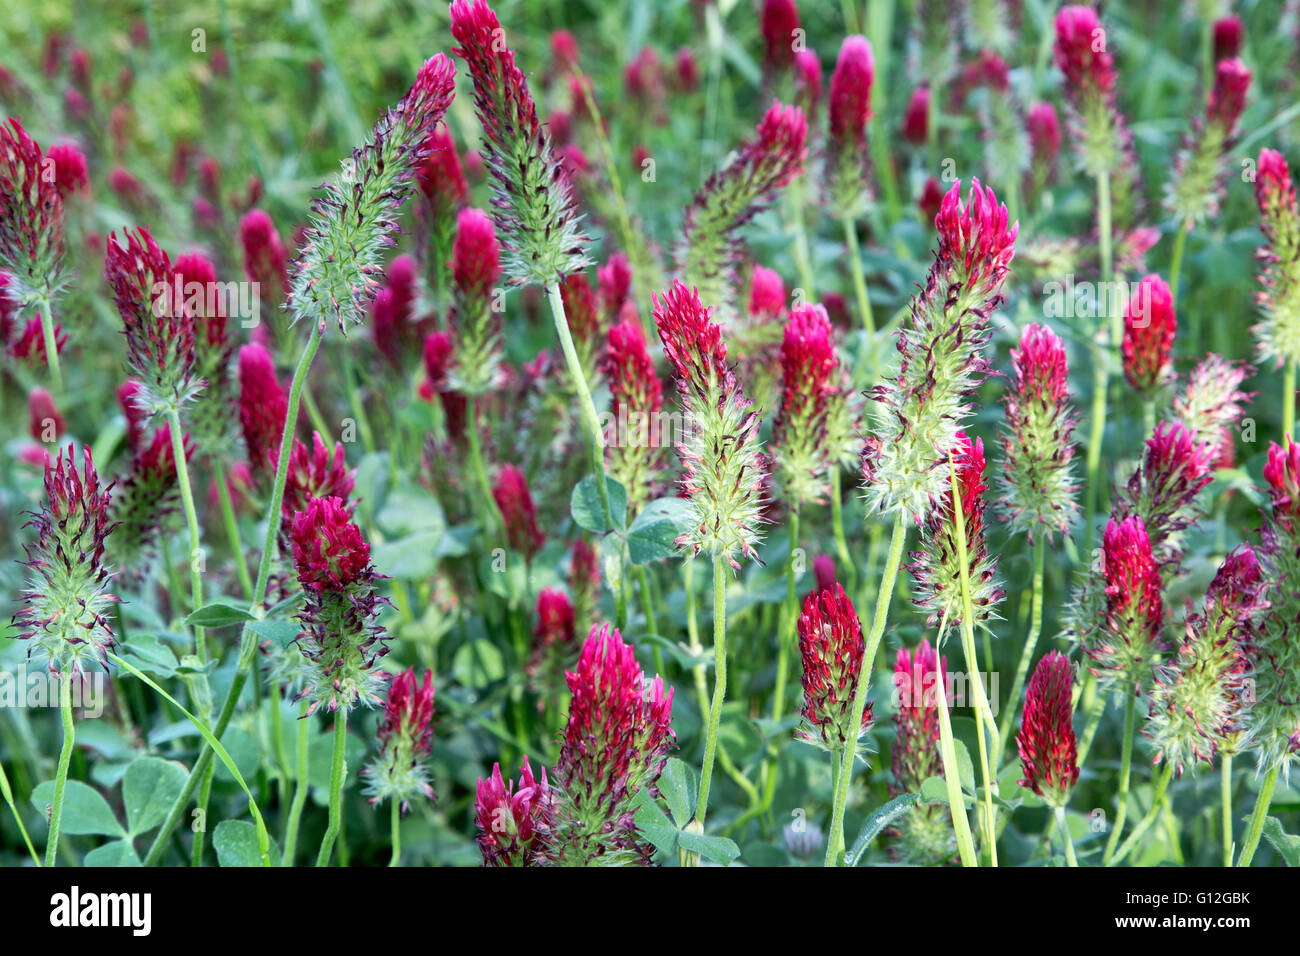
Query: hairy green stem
point(1288, 400)
point(1125, 770)
point(1157, 801)
point(1258, 816)
point(1225, 806)
point(61, 775)
point(1066, 839)
point(719, 684)
point(51, 345)
point(396, 828)
point(192, 523)
point(951, 778)
point(232, 529)
point(859, 280)
point(1176, 260)
point(1101, 367)
point(338, 771)
point(300, 785)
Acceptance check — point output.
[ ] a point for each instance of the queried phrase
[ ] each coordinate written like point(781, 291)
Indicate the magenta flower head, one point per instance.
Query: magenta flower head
point(159, 329)
point(1163, 490)
point(534, 204)
point(70, 173)
point(584, 582)
point(553, 642)
point(1048, 751)
point(263, 407)
point(210, 417)
point(1149, 328)
point(916, 118)
point(905, 459)
point(515, 824)
point(405, 735)
point(848, 165)
point(808, 367)
point(1122, 651)
point(925, 833)
point(1278, 335)
point(32, 240)
point(710, 259)
point(146, 499)
point(1227, 37)
point(615, 744)
point(634, 453)
point(824, 572)
point(725, 473)
point(66, 607)
point(1211, 403)
point(474, 318)
point(44, 423)
point(1197, 185)
point(936, 567)
point(318, 473)
point(29, 347)
point(779, 24)
point(1200, 702)
point(518, 513)
point(1275, 719)
point(439, 358)
point(340, 261)
point(808, 83)
point(398, 335)
point(1044, 136)
point(831, 645)
point(265, 258)
point(341, 643)
point(766, 294)
point(1038, 490)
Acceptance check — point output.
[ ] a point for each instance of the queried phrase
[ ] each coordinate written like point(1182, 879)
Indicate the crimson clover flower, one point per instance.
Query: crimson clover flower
point(1210, 405)
point(1149, 329)
point(443, 191)
point(848, 164)
point(515, 824)
point(710, 256)
point(518, 513)
point(337, 270)
point(725, 473)
point(144, 501)
point(1200, 701)
point(70, 174)
point(263, 408)
point(32, 241)
point(922, 408)
point(808, 375)
point(318, 473)
point(553, 642)
point(1196, 187)
point(210, 417)
point(44, 423)
point(400, 772)
point(474, 321)
point(615, 744)
point(159, 329)
point(1274, 723)
point(808, 83)
point(1163, 490)
point(1048, 751)
point(1038, 490)
point(266, 265)
point(534, 204)
point(916, 117)
point(584, 583)
point(831, 646)
point(66, 606)
point(1044, 131)
point(341, 643)
point(439, 360)
point(1227, 32)
point(1278, 335)
point(925, 835)
point(398, 334)
point(635, 459)
point(779, 25)
point(936, 567)
point(1123, 649)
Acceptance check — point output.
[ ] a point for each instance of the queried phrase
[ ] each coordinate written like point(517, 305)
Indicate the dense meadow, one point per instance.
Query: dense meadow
point(649, 432)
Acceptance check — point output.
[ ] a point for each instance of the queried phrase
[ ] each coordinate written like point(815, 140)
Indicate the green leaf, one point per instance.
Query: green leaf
point(149, 789)
point(653, 824)
point(115, 853)
point(218, 614)
point(279, 633)
point(411, 509)
point(965, 768)
point(677, 784)
point(1287, 845)
point(85, 811)
point(880, 818)
point(478, 664)
point(656, 528)
point(411, 558)
point(236, 844)
point(153, 656)
point(715, 849)
point(584, 504)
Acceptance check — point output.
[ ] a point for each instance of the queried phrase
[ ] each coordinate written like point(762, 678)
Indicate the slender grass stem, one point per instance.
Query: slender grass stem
point(1125, 771)
point(948, 750)
point(8, 793)
point(61, 775)
point(1157, 802)
point(1257, 816)
point(835, 841)
point(1027, 652)
point(790, 621)
point(1176, 260)
point(192, 523)
point(232, 529)
point(859, 281)
point(338, 771)
point(1066, 840)
point(1101, 363)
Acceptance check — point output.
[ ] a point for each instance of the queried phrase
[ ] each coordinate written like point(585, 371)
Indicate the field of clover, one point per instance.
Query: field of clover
point(649, 432)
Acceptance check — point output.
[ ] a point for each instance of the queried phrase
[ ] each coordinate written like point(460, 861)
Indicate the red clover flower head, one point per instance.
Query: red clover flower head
point(779, 24)
point(399, 772)
point(925, 833)
point(1197, 186)
point(1122, 651)
point(848, 165)
point(317, 473)
point(1163, 489)
point(518, 513)
point(475, 321)
point(1278, 335)
point(831, 645)
point(636, 398)
point(515, 824)
point(1048, 751)
point(1149, 329)
point(808, 366)
point(1227, 33)
point(263, 407)
point(32, 241)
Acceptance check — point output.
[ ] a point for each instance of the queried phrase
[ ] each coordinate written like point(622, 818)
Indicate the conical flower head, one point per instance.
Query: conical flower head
point(1038, 491)
point(263, 407)
point(635, 456)
point(1228, 96)
point(1048, 751)
point(405, 733)
point(515, 502)
point(808, 366)
point(615, 744)
point(534, 204)
point(1278, 335)
point(1200, 701)
point(779, 24)
point(474, 318)
point(831, 645)
point(32, 240)
point(340, 263)
point(341, 642)
point(1211, 403)
point(905, 460)
point(553, 641)
point(67, 604)
point(847, 158)
point(1149, 329)
point(1122, 651)
point(159, 329)
point(726, 474)
point(916, 755)
point(937, 566)
point(145, 500)
point(710, 259)
point(210, 417)
point(1197, 185)
point(515, 824)
point(1163, 490)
